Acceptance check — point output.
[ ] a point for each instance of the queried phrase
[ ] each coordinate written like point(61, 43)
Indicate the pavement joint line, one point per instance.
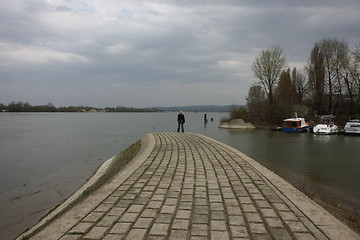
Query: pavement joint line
point(207, 193)
point(257, 207)
point(276, 211)
point(221, 194)
point(247, 224)
point(185, 186)
point(252, 200)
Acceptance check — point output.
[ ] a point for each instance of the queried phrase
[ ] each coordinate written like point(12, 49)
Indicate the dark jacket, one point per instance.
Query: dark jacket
point(181, 117)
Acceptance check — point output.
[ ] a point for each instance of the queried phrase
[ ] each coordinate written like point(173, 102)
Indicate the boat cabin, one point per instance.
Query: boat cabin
point(292, 124)
point(295, 124)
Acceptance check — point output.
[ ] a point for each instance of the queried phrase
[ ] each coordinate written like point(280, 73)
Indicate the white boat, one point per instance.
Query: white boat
point(352, 127)
point(295, 124)
point(326, 126)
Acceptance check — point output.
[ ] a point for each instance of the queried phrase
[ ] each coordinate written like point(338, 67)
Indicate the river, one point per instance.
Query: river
point(45, 157)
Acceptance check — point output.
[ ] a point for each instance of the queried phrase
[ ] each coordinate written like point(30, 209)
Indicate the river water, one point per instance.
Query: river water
point(45, 157)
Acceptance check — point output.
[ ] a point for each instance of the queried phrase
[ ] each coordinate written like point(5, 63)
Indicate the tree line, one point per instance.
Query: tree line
point(328, 84)
point(18, 106)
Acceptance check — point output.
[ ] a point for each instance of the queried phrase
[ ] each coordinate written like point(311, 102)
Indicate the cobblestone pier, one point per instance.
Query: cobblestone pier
point(188, 186)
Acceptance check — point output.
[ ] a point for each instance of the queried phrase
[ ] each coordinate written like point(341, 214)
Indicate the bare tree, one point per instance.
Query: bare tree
point(316, 72)
point(327, 47)
point(267, 67)
point(255, 102)
point(344, 84)
point(335, 54)
point(286, 94)
point(355, 76)
point(300, 85)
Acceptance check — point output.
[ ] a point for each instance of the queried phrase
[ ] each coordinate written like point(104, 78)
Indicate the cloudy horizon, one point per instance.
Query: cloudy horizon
point(106, 53)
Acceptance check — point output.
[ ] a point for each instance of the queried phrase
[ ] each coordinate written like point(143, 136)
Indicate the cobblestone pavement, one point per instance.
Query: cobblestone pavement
point(192, 187)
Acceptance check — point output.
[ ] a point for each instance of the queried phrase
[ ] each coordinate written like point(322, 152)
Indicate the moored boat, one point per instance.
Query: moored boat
point(326, 126)
point(295, 124)
point(352, 127)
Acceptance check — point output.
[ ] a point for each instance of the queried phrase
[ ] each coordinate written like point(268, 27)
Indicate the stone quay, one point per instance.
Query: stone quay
point(188, 186)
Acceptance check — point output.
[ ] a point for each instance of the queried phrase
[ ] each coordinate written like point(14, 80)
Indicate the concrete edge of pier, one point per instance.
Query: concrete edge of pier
point(330, 225)
point(147, 144)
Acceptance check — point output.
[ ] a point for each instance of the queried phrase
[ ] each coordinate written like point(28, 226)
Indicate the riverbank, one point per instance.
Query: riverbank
point(237, 124)
point(343, 207)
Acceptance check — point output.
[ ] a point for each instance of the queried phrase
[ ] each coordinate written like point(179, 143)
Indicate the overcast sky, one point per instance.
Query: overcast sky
point(155, 53)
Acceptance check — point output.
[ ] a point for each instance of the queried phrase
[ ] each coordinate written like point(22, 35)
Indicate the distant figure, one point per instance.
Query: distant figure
point(181, 121)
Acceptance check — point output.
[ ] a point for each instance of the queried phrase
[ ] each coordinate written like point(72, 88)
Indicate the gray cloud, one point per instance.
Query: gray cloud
point(145, 53)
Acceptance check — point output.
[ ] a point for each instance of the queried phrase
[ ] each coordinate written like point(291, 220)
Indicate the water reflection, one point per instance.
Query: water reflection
point(325, 138)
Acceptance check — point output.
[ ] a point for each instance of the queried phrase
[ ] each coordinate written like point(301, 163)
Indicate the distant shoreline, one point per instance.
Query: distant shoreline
point(27, 107)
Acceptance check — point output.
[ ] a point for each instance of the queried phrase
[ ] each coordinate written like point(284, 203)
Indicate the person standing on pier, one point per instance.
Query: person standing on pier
point(181, 121)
